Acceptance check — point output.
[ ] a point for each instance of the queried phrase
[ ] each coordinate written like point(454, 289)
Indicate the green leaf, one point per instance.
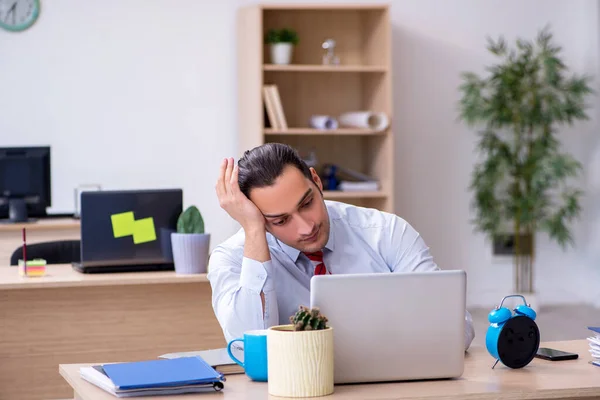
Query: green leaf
point(556, 228)
point(572, 205)
point(497, 47)
point(190, 221)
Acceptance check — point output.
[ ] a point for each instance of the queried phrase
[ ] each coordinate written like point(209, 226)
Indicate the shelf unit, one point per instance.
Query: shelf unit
point(362, 81)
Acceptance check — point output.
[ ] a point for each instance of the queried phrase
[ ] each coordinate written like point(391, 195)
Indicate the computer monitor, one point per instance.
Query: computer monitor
point(128, 230)
point(25, 188)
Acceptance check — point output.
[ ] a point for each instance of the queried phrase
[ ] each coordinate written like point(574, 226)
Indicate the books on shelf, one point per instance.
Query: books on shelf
point(217, 358)
point(155, 377)
point(274, 107)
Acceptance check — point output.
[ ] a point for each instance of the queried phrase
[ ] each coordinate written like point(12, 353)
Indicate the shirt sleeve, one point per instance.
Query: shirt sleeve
point(236, 283)
point(408, 252)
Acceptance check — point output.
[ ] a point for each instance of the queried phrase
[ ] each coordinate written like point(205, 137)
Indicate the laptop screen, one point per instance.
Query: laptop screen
point(129, 227)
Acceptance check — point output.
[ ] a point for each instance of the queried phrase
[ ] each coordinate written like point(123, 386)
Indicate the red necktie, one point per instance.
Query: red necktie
point(317, 260)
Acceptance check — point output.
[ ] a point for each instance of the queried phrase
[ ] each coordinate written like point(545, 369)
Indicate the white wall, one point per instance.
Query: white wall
point(141, 93)
point(130, 94)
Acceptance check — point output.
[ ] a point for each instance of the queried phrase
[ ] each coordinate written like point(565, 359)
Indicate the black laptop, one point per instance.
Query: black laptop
point(128, 230)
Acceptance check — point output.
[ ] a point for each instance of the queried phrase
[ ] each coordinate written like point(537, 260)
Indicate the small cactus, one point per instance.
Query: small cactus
point(306, 319)
point(190, 221)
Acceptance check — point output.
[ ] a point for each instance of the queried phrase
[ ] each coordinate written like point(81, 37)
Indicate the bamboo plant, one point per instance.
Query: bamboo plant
point(523, 179)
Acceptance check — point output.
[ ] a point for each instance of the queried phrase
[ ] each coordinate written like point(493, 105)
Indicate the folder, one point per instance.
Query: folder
point(156, 377)
point(161, 373)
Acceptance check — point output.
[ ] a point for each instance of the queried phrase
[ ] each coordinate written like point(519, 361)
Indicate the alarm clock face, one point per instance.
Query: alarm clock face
point(18, 15)
point(518, 341)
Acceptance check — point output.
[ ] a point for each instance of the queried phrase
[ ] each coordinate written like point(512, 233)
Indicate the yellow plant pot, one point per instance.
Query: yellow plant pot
point(300, 363)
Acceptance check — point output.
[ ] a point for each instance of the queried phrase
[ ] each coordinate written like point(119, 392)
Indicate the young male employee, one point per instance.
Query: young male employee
point(289, 233)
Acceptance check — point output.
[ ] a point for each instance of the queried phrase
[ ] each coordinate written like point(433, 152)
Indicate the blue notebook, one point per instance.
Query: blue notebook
point(162, 373)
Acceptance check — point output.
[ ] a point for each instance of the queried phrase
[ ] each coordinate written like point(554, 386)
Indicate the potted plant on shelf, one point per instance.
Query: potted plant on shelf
point(282, 42)
point(300, 356)
point(521, 184)
point(190, 244)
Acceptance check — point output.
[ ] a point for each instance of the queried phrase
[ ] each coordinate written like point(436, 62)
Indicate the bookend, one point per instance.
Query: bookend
point(513, 339)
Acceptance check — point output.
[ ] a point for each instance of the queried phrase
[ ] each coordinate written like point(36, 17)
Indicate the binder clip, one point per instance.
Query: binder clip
point(513, 339)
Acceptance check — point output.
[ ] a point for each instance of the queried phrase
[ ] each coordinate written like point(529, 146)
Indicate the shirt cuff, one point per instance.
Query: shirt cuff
point(254, 275)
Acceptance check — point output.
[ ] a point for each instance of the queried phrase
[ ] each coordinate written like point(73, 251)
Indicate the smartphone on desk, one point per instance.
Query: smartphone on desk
point(555, 355)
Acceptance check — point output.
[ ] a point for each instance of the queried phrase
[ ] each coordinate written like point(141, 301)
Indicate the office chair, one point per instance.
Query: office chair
point(57, 252)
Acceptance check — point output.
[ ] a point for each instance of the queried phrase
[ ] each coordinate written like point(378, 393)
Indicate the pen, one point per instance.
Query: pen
point(24, 252)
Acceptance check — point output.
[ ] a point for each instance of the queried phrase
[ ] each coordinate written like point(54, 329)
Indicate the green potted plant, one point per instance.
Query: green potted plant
point(281, 42)
point(190, 244)
point(522, 182)
point(300, 356)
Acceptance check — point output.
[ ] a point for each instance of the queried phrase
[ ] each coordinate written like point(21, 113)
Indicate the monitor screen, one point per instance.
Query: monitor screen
point(25, 174)
point(129, 226)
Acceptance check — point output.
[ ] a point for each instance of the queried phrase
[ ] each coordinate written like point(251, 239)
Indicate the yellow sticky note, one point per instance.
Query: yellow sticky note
point(143, 231)
point(123, 224)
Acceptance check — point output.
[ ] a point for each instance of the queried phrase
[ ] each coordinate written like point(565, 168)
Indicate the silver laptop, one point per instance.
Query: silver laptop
point(396, 326)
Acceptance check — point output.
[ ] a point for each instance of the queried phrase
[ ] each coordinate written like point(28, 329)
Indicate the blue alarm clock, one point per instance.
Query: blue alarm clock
point(513, 338)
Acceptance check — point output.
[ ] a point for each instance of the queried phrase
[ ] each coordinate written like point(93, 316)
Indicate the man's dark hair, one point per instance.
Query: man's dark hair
point(260, 166)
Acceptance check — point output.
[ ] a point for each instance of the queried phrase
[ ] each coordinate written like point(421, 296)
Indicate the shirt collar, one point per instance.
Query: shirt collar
point(293, 253)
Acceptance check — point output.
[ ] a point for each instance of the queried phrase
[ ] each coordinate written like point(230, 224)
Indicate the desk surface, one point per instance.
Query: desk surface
point(66, 276)
point(541, 379)
point(43, 224)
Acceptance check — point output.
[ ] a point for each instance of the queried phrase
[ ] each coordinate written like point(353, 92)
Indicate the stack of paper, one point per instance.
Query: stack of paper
point(349, 186)
point(594, 342)
point(156, 377)
point(217, 358)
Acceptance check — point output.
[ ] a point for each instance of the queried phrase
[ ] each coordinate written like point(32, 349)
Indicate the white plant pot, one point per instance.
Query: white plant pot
point(281, 53)
point(190, 252)
point(299, 364)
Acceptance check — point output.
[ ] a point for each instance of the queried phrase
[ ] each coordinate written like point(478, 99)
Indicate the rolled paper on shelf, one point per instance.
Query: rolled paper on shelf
point(323, 122)
point(365, 119)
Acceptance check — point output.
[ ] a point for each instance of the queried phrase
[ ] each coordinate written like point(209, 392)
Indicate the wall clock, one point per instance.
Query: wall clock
point(18, 15)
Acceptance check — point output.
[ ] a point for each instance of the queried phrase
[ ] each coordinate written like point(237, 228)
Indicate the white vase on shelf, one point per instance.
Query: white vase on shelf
point(190, 252)
point(281, 53)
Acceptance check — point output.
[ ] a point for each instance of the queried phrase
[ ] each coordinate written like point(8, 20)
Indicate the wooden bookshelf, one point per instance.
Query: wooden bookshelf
point(362, 81)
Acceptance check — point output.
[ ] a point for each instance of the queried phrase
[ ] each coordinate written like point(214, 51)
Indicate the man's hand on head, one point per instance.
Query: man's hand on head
point(232, 200)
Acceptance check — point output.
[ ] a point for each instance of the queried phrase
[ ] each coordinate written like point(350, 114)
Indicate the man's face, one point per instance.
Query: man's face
point(294, 210)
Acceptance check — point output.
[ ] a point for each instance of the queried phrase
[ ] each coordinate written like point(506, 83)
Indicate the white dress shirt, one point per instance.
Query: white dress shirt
point(361, 240)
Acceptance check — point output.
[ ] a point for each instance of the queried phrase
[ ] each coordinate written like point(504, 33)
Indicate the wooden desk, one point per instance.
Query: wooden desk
point(42, 230)
point(574, 379)
point(70, 317)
